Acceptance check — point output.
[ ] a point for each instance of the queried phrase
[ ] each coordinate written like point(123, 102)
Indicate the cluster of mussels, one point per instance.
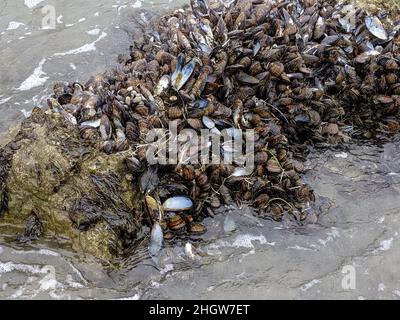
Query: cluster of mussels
point(296, 72)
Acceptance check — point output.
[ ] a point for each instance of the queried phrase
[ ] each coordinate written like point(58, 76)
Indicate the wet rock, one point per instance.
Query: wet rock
point(75, 193)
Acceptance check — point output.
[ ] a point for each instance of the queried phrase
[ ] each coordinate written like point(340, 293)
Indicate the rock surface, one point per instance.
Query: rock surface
point(77, 194)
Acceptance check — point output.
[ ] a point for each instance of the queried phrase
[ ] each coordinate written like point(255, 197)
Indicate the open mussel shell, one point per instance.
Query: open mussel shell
point(178, 203)
point(182, 73)
point(375, 26)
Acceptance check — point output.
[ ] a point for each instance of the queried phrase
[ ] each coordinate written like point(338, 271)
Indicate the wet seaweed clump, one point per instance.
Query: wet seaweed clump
point(296, 73)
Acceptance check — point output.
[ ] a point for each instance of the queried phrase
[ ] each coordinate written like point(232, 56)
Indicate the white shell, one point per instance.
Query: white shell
point(374, 25)
point(69, 117)
point(92, 123)
point(210, 124)
point(162, 85)
point(189, 250)
point(156, 239)
point(178, 203)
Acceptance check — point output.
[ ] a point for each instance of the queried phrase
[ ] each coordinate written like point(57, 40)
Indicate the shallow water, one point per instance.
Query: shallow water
point(357, 191)
point(88, 37)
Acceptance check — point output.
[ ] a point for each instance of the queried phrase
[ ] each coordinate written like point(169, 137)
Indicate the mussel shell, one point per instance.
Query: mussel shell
point(3, 202)
point(375, 26)
point(163, 85)
point(149, 180)
point(247, 79)
point(157, 234)
point(209, 123)
point(178, 203)
point(168, 236)
point(273, 166)
point(196, 124)
point(91, 123)
point(176, 223)
point(156, 239)
point(65, 99)
point(134, 165)
point(197, 228)
point(179, 79)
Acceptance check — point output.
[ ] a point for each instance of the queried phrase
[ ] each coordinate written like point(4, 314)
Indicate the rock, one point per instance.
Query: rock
point(49, 170)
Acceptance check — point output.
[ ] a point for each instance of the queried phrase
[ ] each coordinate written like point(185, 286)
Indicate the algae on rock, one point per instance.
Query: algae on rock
point(49, 171)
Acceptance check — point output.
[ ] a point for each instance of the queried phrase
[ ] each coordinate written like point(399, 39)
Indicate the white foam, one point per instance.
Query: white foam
point(10, 266)
point(94, 32)
point(342, 155)
point(135, 297)
point(96, 14)
point(48, 283)
point(120, 8)
point(73, 284)
point(44, 252)
point(137, 4)
point(82, 19)
point(381, 287)
point(2, 101)
point(26, 113)
point(32, 3)
point(73, 67)
point(13, 25)
point(143, 16)
point(246, 241)
point(332, 235)
point(167, 268)
point(60, 19)
point(297, 247)
point(309, 285)
point(386, 244)
point(37, 79)
point(85, 48)
point(20, 291)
